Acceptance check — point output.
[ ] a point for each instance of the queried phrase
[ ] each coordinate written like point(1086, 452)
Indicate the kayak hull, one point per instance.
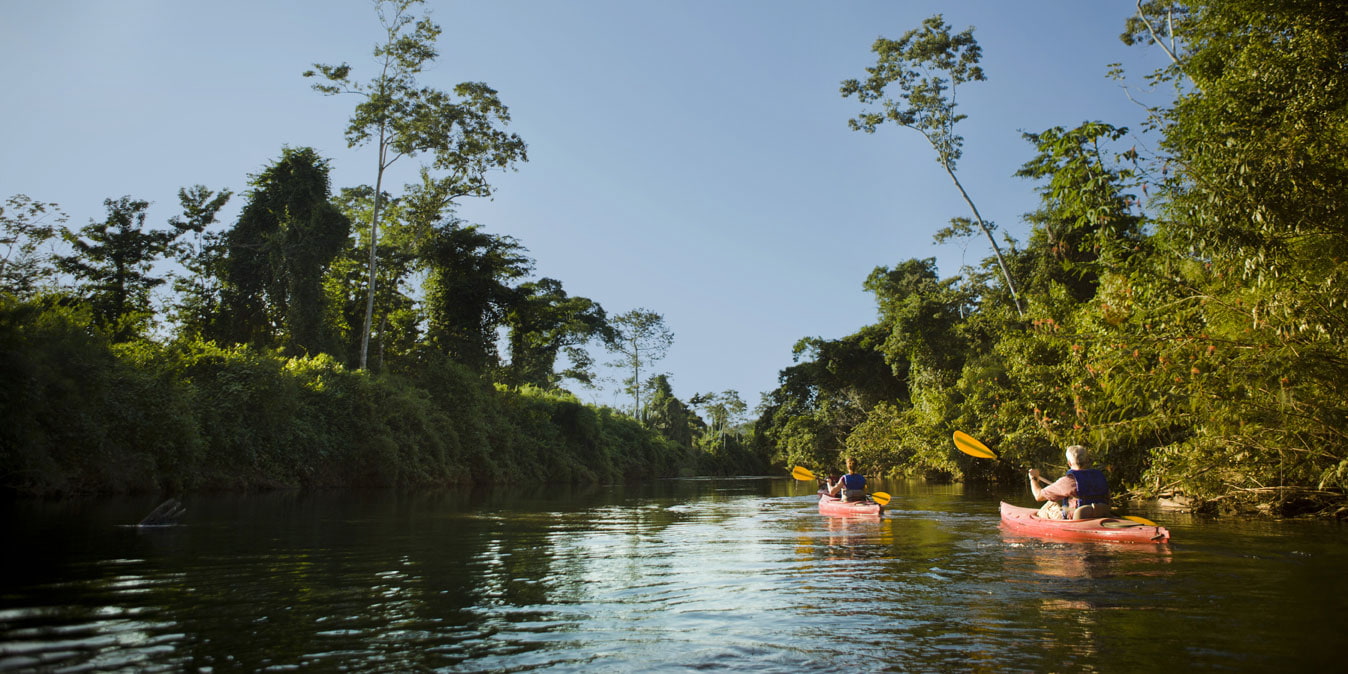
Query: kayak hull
point(832, 505)
point(1026, 521)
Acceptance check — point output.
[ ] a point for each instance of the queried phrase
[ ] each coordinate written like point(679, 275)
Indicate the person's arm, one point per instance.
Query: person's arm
point(1062, 489)
point(1034, 484)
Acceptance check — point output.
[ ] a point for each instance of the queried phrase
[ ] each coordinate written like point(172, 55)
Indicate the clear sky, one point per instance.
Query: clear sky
point(690, 157)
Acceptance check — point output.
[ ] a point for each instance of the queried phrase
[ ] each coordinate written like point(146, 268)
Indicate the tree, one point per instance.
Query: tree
point(640, 339)
point(1085, 228)
point(725, 409)
point(543, 323)
point(926, 65)
point(820, 399)
point(200, 253)
point(114, 259)
point(396, 327)
point(278, 252)
point(468, 291)
point(24, 229)
point(920, 314)
point(1243, 318)
point(669, 416)
point(460, 130)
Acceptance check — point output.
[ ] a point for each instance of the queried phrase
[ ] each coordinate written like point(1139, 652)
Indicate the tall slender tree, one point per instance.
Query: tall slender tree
point(462, 130)
point(640, 339)
point(927, 65)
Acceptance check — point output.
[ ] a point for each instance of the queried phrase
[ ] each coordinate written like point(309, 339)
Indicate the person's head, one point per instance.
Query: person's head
point(851, 466)
point(1078, 456)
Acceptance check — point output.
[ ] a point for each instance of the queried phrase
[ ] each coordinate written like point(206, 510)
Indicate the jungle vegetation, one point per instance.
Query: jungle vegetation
point(1179, 307)
point(1181, 311)
point(328, 338)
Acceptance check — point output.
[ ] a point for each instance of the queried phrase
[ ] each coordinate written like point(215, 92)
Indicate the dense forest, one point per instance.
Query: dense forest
point(1181, 311)
point(330, 338)
point(1174, 307)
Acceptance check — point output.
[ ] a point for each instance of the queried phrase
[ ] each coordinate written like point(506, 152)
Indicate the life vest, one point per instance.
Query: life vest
point(1091, 487)
point(854, 481)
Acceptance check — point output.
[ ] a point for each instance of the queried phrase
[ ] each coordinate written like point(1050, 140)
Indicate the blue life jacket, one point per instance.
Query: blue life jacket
point(1091, 487)
point(854, 481)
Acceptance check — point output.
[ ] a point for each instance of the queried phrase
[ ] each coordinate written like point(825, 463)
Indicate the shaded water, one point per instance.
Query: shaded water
point(734, 574)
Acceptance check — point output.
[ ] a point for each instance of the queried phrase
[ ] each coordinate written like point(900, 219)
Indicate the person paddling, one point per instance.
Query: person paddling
point(1084, 490)
point(851, 487)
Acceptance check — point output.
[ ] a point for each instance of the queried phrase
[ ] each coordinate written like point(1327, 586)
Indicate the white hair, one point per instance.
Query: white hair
point(1078, 455)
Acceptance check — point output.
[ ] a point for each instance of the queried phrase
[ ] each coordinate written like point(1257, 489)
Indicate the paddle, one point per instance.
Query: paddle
point(804, 475)
point(969, 445)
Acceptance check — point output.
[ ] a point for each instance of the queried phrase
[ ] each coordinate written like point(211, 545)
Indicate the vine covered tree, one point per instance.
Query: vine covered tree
point(461, 131)
point(469, 291)
point(278, 253)
point(544, 323)
point(669, 416)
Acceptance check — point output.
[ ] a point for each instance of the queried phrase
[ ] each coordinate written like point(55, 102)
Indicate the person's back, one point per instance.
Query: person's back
point(1084, 491)
point(852, 486)
point(1091, 498)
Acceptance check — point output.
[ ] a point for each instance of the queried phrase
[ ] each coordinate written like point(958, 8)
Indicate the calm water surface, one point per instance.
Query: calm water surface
point(732, 574)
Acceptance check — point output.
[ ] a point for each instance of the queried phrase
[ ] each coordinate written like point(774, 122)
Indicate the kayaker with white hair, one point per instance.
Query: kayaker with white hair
point(1084, 490)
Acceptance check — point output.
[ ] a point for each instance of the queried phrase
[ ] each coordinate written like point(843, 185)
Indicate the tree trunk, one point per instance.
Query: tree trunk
point(374, 256)
point(1001, 262)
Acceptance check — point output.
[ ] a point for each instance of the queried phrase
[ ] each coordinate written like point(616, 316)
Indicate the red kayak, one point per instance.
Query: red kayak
point(832, 505)
point(1026, 521)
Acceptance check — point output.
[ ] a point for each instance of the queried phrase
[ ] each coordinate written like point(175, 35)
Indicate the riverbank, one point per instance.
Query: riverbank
point(87, 416)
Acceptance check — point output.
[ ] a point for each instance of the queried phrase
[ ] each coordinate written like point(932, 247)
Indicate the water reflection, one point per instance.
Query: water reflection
point(1091, 559)
point(728, 574)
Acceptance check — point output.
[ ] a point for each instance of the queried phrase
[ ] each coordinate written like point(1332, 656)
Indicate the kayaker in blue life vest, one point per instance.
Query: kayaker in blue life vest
point(1084, 491)
point(850, 487)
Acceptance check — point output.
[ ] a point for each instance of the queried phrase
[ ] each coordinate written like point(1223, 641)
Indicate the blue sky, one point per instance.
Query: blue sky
point(688, 157)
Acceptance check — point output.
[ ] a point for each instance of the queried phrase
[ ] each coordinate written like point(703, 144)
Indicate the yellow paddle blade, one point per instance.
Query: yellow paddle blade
point(1140, 520)
point(880, 497)
point(802, 474)
point(967, 444)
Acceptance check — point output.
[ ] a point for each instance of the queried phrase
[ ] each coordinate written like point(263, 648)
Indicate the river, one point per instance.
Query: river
point(737, 574)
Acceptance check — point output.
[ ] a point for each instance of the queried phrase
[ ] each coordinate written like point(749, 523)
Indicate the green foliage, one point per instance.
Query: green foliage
point(467, 291)
point(113, 262)
point(669, 416)
point(544, 322)
point(85, 416)
point(639, 338)
point(1199, 354)
point(830, 390)
point(925, 66)
point(277, 254)
point(25, 227)
point(201, 254)
point(462, 132)
point(81, 416)
point(396, 328)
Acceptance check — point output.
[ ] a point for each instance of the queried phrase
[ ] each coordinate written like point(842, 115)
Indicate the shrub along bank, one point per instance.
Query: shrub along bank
point(84, 415)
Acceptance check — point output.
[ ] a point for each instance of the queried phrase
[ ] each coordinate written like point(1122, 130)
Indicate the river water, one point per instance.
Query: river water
point(725, 574)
